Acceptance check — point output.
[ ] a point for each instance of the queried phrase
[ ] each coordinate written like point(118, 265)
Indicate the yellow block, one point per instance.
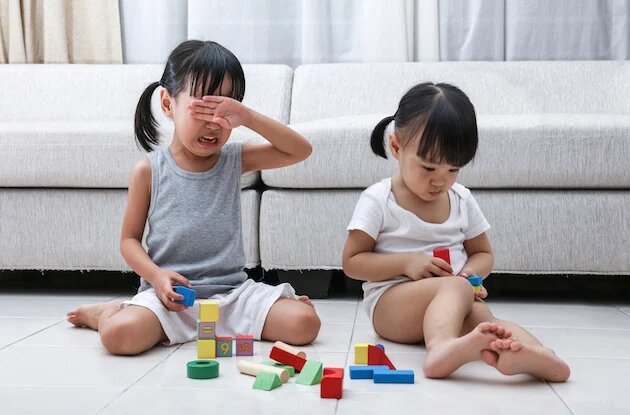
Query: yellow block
point(361, 353)
point(206, 349)
point(208, 310)
point(476, 288)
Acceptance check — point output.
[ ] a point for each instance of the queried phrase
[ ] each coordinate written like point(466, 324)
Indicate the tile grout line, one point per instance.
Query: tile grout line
point(31, 335)
point(139, 379)
point(560, 397)
point(354, 322)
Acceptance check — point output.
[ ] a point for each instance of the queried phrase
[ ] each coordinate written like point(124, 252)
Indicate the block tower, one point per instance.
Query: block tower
point(206, 329)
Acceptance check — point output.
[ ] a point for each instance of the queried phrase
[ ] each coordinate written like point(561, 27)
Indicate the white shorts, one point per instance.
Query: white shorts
point(241, 311)
point(372, 291)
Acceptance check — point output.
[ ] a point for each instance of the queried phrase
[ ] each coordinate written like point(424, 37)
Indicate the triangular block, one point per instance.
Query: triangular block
point(311, 373)
point(267, 381)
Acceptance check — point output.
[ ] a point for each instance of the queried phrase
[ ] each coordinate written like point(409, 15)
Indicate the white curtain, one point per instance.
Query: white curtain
point(296, 32)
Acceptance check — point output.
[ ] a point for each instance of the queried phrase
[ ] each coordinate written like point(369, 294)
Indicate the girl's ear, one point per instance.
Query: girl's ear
point(165, 102)
point(394, 145)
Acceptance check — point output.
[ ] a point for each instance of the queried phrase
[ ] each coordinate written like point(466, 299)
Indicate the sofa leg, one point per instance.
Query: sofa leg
point(315, 284)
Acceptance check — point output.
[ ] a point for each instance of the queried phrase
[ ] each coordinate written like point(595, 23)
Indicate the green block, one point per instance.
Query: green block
point(288, 368)
point(267, 381)
point(311, 373)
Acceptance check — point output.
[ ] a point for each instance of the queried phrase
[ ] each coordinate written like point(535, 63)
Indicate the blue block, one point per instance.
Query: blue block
point(364, 372)
point(475, 280)
point(393, 376)
point(188, 293)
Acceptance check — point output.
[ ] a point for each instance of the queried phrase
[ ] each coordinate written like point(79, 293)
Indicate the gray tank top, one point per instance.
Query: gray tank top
point(194, 221)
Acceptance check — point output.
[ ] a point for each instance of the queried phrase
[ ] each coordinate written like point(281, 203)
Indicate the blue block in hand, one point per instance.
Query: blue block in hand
point(188, 293)
point(475, 280)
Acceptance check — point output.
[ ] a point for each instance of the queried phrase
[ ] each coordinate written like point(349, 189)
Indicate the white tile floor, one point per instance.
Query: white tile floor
point(49, 367)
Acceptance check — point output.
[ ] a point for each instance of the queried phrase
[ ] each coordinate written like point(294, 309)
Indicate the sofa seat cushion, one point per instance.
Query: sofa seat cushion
point(78, 154)
point(515, 151)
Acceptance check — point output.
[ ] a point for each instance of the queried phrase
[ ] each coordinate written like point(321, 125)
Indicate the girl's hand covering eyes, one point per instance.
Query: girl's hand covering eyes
point(224, 111)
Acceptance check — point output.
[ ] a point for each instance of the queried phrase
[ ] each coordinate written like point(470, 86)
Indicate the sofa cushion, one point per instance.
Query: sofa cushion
point(515, 151)
point(78, 154)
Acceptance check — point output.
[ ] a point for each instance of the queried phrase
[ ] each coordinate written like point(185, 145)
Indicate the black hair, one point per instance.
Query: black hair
point(201, 64)
point(446, 118)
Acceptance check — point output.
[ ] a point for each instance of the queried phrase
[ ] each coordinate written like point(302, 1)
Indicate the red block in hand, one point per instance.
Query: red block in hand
point(332, 383)
point(286, 358)
point(443, 253)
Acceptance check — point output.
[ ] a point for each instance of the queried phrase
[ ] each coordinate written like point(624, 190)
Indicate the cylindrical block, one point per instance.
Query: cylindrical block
point(202, 369)
point(253, 368)
point(290, 349)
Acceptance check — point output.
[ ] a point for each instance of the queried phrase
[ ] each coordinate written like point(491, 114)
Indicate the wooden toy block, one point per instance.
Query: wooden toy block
point(380, 346)
point(288, 368)
point(245, 345)
point(188, 293)
point(286, 358)
point(476, 289)
point(365, 372)
point(393, 376)
point(290, 349)
point(209, 310)
point(202, 369)
point(311, 373)
point(224, 346)
point(376, 356)
point(361, 353)
point(206, 329)
point(267, 381)
point(206, 349)
point(253, 369)
point(332, 383)
point(443, 253)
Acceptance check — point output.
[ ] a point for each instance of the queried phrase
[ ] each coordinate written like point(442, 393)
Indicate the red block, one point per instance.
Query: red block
point(286, 358)
point(443, 253)
point(332, 383)
point(377, 357)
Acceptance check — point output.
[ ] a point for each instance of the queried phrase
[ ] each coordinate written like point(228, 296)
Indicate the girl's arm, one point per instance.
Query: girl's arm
point(361, 263)
point(138, 200)
point(480, 259)
point(285, 146)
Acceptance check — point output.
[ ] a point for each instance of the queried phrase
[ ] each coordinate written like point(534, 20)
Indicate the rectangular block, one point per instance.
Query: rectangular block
point(332, 383)
point(361, 353)
point(224, 346)
point(206, 329)
point(206, 349)
point(245, 345)
point(393, 376)
point(365, 372)
point(284, 357)
point(209, 310)
point(443, 253)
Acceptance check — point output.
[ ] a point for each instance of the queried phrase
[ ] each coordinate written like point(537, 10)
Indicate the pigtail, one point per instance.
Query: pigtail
point(146, 126)
point(377, 141)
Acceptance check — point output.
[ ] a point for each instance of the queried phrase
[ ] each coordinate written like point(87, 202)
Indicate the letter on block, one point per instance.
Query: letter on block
point(206, 329)
point(224, 346)
point(244, 345)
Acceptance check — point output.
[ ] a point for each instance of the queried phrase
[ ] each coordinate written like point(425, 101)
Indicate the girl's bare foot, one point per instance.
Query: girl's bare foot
point(516, 357)
point(88, 315)
point(306, 300)
point(446, 357)
point(490, 357)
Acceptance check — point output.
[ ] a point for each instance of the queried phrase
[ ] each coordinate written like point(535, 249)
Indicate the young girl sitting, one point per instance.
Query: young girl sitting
point(410, 295)
point(189, 194)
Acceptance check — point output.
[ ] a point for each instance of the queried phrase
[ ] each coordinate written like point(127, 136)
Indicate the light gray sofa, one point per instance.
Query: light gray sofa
point(551, 172)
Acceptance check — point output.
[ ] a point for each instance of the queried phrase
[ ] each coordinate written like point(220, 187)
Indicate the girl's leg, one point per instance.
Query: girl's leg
point(434, 309)
point(128, 331)
point(291, 321)
point(518, 351)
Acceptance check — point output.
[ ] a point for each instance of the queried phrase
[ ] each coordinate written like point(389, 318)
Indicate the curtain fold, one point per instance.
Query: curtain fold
point(60, 31)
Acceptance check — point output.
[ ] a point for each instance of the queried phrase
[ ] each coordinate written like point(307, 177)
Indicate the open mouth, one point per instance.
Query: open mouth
point(208, 140)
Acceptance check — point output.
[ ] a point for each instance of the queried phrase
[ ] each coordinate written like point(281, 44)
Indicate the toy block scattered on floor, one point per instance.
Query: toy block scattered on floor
point(443, 253)
point(224, 346)
point(361, 353)
point(206, 329)
point(365, 372)
point(188, 293)
point(209, 310)
point(202, 369)
point(376, 356)
point(285, 354)
point(253, 369)
point(288, 368)
point(476, 282)
point(332, 383)
point(206, 348)
point(267, 381)
point(311, 373)
point(245, 345)
point(393, 376)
